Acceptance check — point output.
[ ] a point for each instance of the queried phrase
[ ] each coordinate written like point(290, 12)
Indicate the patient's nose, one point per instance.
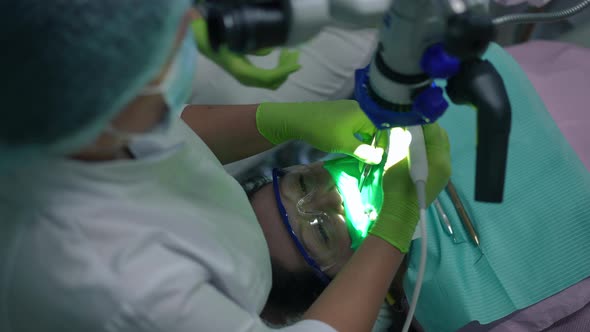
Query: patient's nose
point(327, 200)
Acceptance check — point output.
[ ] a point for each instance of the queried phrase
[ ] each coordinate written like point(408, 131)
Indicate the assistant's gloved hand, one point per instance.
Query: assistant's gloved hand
point(329, 126)
point(241, 68)
point(400, 213)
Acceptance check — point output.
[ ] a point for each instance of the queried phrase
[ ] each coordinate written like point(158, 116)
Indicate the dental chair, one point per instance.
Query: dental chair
point(560, 72)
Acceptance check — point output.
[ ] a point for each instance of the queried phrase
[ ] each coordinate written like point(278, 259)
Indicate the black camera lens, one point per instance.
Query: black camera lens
point(249, 27)
point(468, 35)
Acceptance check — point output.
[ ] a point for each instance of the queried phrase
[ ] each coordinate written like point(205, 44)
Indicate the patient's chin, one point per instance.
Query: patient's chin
point(333, 271)
point(291, 294)
point(345, 255)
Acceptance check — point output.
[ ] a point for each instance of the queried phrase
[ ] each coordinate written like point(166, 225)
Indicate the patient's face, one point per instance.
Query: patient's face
point(308, 194)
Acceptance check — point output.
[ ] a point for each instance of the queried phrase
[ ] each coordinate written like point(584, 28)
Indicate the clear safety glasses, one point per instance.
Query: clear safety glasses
point(316, 221)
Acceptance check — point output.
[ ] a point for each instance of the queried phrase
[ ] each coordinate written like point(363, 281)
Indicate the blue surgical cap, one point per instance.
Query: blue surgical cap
point(68, 67)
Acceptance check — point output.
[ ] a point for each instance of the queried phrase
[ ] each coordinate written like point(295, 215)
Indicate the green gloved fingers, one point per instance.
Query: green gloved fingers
point(400, 212)
point(240, 67)
point(262, 52)
point(248, 74)
point(439, 165)
point(200, 31)
point(331, 126)
point(397, 227)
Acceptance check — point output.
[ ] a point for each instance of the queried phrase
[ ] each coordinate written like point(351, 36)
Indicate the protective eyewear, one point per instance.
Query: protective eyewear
point(318, 227)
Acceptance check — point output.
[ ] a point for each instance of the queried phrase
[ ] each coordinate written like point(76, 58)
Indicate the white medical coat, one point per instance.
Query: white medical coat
point(166, 242)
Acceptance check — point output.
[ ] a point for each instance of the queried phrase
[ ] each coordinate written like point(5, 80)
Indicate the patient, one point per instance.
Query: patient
point(295, 283)
point(305, 255)
point(509, 281)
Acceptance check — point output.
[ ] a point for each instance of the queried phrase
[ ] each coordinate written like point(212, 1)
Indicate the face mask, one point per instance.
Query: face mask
point(175, 89)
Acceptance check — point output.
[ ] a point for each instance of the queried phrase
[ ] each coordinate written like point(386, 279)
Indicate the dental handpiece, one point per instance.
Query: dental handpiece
point(418, 163)
point(367, 167)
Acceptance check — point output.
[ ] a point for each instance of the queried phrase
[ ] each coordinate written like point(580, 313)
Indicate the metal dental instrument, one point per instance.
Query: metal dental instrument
point(368, 168)
point(444, 219)
point(465, 219)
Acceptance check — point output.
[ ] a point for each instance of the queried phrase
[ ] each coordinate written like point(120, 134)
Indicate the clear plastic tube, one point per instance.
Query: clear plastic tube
point(541, 17)
point(421, 189)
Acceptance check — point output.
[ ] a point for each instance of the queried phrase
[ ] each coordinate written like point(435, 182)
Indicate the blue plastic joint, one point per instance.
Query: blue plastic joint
point(427, 107)
point(437, 63)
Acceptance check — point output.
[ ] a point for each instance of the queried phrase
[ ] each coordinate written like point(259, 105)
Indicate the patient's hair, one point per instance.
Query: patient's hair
point(253, 184)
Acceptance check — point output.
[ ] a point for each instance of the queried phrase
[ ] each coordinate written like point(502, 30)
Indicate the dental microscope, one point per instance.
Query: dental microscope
point(420, 41)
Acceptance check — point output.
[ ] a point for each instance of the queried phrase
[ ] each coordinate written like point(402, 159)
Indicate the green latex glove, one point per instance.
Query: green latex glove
point(263, 52)
point(330, 126)
point(241, 68)
point(400, 213)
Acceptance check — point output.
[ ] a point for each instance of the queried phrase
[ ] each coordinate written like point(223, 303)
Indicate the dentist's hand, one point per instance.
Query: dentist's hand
point(400, 213)
point(240, 67)
point(330, 126)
